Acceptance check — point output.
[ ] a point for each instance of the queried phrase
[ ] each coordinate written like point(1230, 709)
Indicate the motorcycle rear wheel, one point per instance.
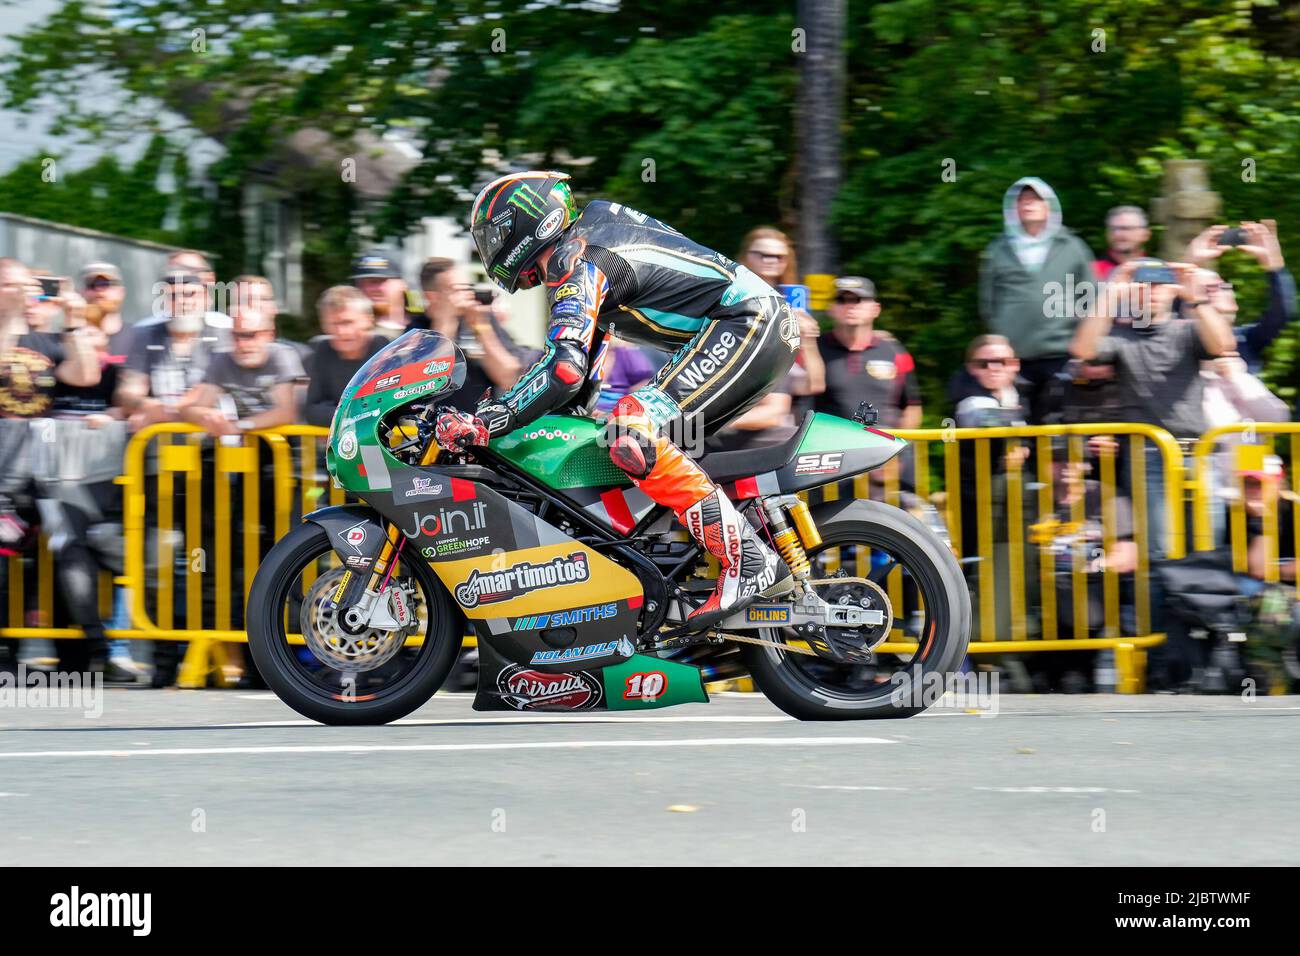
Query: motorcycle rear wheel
point(817, 689)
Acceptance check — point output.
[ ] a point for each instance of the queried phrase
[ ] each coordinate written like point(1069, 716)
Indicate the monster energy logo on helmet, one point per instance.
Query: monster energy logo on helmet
point(513, 220)
point(527, 199)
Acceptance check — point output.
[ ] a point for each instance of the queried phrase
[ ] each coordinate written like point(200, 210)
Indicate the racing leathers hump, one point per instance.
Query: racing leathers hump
point(615, 265)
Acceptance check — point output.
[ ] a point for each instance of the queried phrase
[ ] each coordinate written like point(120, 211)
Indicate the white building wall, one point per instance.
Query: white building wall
point(63, 250)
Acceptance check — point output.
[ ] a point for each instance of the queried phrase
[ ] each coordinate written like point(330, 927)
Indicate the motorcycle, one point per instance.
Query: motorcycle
point(575, 584)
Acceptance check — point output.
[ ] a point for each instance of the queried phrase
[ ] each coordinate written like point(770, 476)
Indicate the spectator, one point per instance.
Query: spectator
point(191, 262)
point(248, 387)
point(490, 355)
point(1261, 491)
point(1262, 243)
point(1233, 394)
point(864, 363)
point(769, 254)
point(165, 359)
point(77, 494)
point(32, 364)
point(255, 296)
point(1157, 359)
point(99, 308)
point(1031, 279)
point(985, 396)
point(1127, 234)
point(347, 319)
point(993, 400)
point(397, 308)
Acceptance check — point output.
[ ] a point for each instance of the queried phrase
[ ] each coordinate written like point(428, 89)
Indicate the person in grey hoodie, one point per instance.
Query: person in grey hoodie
point(1031, 280)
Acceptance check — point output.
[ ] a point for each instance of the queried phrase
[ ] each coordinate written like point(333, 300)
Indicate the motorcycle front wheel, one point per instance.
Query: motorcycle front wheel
point(329, 674)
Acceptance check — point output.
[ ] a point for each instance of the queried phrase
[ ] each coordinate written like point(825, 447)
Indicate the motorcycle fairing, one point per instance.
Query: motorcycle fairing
point(640, 683)
point(542, 598)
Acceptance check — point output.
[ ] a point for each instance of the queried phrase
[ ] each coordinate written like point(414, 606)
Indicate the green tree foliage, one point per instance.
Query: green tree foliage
point(107, 196)
point(1091, 95)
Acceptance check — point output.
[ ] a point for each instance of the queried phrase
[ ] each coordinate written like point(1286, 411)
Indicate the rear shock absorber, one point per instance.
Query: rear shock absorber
point(786, 539)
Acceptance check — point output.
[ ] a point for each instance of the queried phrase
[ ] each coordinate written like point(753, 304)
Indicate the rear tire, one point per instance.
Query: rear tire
point(273, 654)
point(936, 572)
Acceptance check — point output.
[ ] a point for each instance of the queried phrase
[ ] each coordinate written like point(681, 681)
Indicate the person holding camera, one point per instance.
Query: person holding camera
point(1157, 357)
point(465, 317)
point(1257, 239)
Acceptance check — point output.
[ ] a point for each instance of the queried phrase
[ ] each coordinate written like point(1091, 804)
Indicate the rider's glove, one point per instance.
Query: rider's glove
point(455, 430)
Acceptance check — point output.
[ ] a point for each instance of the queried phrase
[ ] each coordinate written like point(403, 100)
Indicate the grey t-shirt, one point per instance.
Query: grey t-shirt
point(1158, 374)
point(252, 388)
point(170, 371)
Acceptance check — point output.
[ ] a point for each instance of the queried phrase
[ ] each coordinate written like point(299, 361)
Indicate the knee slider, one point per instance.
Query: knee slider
point(629, 449)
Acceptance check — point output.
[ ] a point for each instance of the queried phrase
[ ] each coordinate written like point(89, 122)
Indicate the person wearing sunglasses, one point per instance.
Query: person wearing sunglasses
point(993, 399)
point(250, 386)
point(864, 363)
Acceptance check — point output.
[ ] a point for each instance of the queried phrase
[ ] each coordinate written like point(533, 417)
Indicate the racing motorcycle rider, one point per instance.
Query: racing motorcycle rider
point(734, 338)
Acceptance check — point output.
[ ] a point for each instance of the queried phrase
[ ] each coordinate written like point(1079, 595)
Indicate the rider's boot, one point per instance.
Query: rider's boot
point(750, 569)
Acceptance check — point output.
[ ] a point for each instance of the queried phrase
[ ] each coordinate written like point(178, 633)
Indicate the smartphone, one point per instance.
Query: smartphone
point(1157, 275)
point(1233, 237)
point(483, 296)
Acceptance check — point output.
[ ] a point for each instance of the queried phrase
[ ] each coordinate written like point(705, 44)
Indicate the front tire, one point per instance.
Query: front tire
point(281, 663)
point(809, 692)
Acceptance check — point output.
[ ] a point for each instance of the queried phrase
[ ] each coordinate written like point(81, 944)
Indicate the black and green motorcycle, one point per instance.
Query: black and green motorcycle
point(575, 584)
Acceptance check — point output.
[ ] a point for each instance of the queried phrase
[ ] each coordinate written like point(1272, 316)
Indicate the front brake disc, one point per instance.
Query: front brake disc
point(333, 642)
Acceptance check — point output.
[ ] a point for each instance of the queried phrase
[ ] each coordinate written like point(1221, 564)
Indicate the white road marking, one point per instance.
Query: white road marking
point(540, 718)
point(426, 748)
point(1054, 790)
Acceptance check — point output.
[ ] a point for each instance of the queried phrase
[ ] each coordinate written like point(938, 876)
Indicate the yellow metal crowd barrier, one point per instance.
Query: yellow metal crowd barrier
point(1247, 446)
point(1010, 560)
point(193, 543)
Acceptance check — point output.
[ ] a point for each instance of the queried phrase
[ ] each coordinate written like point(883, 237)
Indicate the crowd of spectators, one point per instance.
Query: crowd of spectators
point(1069, 338)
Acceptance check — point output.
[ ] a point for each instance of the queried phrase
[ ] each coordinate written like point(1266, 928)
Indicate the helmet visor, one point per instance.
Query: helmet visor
point(491, 235)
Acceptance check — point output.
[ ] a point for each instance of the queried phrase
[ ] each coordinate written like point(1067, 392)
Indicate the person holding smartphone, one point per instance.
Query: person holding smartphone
point(1258, 240)
point(33, 362)
point(1157, 356)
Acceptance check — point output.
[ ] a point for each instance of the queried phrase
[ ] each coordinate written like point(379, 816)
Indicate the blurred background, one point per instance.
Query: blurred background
point(282, 138)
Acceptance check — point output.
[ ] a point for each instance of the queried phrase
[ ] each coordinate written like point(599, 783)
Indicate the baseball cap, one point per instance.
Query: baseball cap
point(860, 286)
point(1270, 468)
point(95, 270)
point(375, 264)
point(181, 277)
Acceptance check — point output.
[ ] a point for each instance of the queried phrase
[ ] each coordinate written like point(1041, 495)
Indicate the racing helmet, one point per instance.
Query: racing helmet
point(515, 218)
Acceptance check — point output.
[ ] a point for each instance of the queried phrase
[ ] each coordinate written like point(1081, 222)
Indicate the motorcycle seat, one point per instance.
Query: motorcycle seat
point(724, 466)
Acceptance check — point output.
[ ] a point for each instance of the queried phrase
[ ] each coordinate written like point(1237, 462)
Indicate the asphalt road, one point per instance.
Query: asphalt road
point(213, 777)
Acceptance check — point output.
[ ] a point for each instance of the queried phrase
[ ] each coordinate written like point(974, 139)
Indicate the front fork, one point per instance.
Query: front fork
point(369, 610)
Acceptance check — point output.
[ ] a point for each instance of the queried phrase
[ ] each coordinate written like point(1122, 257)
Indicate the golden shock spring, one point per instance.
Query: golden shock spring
point(787, 542)
point(803, 521)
